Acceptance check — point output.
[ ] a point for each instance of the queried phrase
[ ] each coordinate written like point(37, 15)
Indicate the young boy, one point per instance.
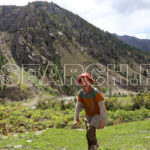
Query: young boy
point(95, 110)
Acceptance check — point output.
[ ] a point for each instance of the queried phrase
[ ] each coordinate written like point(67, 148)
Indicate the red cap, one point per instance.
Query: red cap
point(85, 74)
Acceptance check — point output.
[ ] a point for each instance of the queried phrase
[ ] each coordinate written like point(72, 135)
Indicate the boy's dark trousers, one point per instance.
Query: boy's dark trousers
point(91, 136)
point(91, 124)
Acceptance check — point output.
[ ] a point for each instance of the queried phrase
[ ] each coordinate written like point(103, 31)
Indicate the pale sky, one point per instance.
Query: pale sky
point(115, 16)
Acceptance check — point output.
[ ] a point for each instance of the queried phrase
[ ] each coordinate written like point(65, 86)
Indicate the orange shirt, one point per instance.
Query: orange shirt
point(90, 101)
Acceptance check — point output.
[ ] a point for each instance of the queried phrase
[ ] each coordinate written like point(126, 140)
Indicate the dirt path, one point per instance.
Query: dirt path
point(32, 104)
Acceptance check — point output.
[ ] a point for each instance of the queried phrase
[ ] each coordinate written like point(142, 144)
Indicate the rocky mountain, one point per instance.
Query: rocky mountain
point(61, 44)
point(142, 44)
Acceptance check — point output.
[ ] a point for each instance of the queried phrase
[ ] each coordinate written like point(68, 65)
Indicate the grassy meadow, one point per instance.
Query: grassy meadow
point(127, 136)
point(48, 125)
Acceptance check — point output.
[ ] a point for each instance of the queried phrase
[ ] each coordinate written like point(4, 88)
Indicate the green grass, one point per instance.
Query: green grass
point(127, 136)
point(123, 98)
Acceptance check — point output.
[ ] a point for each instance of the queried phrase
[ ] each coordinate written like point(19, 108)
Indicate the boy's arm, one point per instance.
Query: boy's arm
point(77, 111)
point(103, 112)
point(102, 108)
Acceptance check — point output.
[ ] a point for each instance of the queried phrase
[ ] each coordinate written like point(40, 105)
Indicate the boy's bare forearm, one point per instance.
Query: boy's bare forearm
point(77, 111)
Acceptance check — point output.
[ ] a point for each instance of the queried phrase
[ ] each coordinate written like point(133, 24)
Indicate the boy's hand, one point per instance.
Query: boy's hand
point(75, 123)
point(101, 125)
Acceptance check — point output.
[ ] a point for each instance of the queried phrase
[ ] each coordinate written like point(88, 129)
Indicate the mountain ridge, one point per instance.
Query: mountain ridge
point(142, 44)
point(44, 33)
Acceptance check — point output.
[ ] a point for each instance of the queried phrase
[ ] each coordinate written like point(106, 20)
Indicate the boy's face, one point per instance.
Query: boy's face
point(85, 82)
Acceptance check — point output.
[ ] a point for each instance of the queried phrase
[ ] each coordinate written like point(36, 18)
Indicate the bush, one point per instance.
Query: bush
point(17, 118)
point(120, 116)
point(114, 104)
point(147, 104)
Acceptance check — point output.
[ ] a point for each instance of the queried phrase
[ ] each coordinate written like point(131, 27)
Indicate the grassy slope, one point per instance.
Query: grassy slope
point(128, 136)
